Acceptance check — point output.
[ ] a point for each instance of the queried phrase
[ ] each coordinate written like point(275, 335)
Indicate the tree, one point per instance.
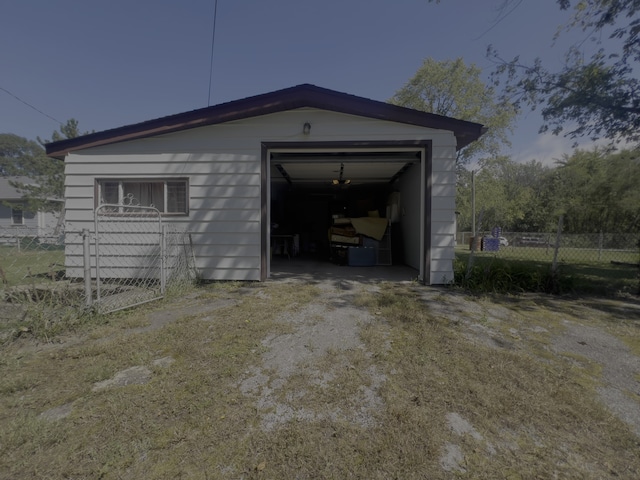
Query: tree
point(594, 97)
point(20, 157)
point(511, 195)
point(598, 191)
point(456, 90)
point(38, 178)
point(67, 130)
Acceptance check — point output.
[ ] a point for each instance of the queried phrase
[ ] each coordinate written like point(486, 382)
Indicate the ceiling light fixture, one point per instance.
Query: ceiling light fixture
point(341, 180)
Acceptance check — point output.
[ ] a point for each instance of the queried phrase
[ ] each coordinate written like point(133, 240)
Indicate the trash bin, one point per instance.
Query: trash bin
point(490, 244)
point(478, 246)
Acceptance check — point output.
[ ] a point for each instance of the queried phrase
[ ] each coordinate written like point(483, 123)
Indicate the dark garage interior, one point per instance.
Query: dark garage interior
point(324, 203)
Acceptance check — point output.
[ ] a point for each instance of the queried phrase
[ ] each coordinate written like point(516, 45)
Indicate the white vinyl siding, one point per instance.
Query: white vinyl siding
point(443, 206)
point(223, 166)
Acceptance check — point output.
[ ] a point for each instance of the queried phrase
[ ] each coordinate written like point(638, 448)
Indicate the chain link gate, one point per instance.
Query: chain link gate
point(130, 255)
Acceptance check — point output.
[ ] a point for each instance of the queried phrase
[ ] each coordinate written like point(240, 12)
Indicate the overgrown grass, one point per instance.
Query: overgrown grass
point(536, 419)
point(504, 273)
point(569, 255)
point(45, 310)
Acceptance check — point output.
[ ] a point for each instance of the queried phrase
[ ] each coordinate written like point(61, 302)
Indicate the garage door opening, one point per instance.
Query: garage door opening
point(345, 209)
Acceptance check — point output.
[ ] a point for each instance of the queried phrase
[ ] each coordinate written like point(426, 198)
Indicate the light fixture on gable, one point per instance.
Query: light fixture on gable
point(306, 128)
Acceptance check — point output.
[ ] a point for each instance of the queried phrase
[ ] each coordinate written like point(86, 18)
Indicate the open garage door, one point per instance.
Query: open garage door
point(321, 199)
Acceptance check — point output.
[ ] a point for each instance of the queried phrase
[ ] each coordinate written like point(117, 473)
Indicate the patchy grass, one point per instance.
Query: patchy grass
point(28, 266)
point(541, 417)
point(532, 417)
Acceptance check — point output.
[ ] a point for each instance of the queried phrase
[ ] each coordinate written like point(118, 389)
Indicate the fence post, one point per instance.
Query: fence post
point(600, 245)
point(97, 243)
point(554, 265)
point(638, 266)
point(86, 250)
point(163, 259)
point(474, 246)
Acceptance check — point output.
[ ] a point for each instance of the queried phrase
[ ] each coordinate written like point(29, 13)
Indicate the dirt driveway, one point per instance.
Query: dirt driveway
point(359, 355)
point(588, 333)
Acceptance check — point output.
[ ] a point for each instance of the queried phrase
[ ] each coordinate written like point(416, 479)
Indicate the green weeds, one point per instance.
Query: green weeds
point(508, 274)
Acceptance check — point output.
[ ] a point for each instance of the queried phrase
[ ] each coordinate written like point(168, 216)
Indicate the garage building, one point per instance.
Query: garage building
point(279, 174)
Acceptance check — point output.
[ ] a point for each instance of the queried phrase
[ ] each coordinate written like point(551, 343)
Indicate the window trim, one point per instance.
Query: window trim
point(164, 180)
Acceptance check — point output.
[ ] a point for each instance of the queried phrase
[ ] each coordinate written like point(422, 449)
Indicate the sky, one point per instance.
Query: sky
point(118, 62)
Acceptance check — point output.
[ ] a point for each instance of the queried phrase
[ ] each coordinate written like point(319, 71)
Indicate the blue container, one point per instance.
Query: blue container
point(490, 244)
point(362, 256)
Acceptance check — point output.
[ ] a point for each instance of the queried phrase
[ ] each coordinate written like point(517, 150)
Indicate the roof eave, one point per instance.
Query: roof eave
point(282, 100)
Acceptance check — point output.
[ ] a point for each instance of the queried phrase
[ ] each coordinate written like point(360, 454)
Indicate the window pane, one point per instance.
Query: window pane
point(109, 191)
point(134, 194)
point(146, 194)
point(157, 195)
point(177, 197)
point(16, 215)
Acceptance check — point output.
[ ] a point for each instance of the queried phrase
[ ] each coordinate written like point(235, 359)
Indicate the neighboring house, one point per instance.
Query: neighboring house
point(15, 221)
point(229, 173)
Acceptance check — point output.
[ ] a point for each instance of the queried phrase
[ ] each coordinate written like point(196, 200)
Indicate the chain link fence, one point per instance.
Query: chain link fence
point(30, 256)
point(573, 248)
point(125, 264)
point(135, 258)
point(608, 260)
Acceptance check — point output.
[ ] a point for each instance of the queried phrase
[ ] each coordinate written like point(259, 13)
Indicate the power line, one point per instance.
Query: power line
point(504, 13)
point(213, 40)
point(31, 106)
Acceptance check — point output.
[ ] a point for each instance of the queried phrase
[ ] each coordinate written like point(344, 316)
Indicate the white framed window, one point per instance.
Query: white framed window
point(17, 215)
point(170, 196)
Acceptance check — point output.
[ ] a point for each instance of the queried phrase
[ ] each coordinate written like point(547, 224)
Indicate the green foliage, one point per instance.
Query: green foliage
point(19, 156)
point(454, 89)
point(596, 96)
point(514, 194)
point(595, 190)
point(38, 178)
point(599, 191)
point(43, 182)
point(505, 276)
point(68, 130)
point(510, 194)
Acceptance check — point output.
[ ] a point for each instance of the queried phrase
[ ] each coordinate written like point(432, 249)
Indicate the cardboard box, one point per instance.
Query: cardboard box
point(344, 239)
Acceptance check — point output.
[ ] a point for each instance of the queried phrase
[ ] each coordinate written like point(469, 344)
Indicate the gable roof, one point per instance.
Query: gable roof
point(300, 96)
